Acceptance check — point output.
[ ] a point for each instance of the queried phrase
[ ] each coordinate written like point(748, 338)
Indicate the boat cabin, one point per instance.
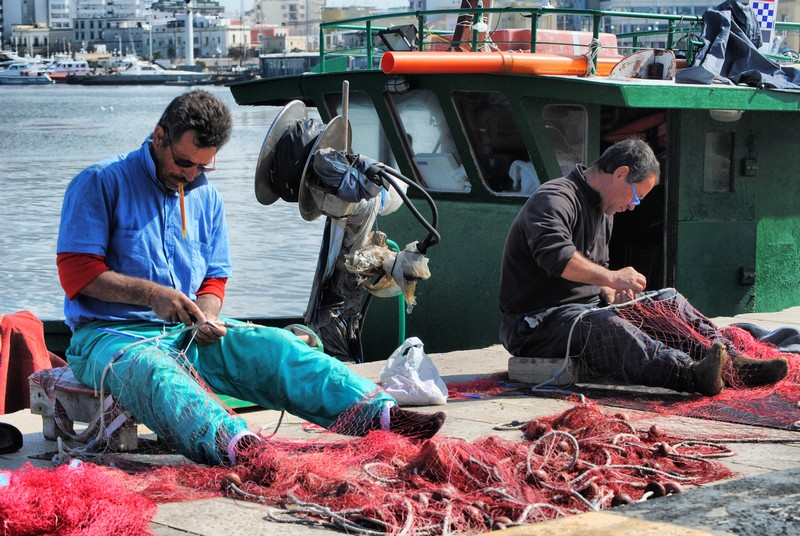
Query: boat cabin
point(64, 68)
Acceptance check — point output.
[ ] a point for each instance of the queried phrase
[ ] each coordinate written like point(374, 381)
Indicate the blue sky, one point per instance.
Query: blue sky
point(233, 6)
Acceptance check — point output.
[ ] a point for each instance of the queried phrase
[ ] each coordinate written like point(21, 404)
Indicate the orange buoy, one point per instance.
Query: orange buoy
point(491, 62)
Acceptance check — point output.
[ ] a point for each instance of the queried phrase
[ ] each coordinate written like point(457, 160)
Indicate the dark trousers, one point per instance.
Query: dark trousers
point(606, 342)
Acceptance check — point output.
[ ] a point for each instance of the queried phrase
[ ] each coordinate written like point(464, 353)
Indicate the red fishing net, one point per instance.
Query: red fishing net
point(383, 483)
point(677, 324)
point(577, 461)
point(71, 500)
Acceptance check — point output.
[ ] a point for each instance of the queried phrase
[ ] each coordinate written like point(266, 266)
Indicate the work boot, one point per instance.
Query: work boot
point(707, 374)
point(757, 372)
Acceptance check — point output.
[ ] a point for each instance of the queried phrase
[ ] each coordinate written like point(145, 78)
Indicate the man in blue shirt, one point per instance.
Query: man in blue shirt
point(143, 258)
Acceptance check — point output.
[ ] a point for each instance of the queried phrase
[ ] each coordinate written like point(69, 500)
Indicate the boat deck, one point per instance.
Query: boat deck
point(763, 499)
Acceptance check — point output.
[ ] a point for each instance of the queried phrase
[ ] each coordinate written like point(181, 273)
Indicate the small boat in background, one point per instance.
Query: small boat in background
point(130, 70)
point(60, 70)
point(22, 73)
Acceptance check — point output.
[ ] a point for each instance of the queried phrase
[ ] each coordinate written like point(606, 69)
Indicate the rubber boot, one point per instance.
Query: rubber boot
point(707, 374)
point(757, 372)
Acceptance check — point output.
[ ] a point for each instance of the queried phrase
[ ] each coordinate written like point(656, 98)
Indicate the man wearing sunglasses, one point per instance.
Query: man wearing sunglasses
point(556, 287)
point(143, 256)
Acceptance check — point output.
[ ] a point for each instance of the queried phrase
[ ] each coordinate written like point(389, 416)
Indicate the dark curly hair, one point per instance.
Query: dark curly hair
point(202, 112)
point(635, 154)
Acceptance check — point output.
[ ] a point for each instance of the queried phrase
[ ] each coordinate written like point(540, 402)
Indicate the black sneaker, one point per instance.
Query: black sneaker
point(415, 425)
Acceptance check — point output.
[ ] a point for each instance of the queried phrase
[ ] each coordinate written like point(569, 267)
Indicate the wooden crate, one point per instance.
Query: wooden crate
point(81, 404)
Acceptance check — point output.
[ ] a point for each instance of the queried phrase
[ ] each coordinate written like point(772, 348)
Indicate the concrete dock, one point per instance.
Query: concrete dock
point(763, 497)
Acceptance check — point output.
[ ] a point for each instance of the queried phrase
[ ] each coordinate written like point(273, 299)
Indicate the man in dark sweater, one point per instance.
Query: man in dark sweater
point(555, 285)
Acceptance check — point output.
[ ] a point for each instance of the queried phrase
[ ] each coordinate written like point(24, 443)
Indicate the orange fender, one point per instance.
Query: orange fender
point(491, 62)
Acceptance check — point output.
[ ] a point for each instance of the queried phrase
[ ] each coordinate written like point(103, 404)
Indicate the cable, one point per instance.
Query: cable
point(389, 174)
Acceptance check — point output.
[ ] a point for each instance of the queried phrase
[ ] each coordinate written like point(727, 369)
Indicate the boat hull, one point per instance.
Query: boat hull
point(28, 80)
point(136, 80)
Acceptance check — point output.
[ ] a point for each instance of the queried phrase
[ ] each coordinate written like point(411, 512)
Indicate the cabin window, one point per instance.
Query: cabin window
point(566, 128)
point(496, 142)
point(718, 162)
point(369, 138)
point(429, 141)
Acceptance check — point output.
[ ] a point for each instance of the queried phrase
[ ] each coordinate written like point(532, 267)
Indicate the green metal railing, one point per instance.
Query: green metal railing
point(685, 27)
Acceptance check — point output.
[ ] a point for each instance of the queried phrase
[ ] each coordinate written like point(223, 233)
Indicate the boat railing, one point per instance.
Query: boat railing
point(676, 32)
point(785, 49)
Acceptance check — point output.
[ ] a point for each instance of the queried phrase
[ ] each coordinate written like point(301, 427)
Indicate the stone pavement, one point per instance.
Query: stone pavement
point(763, 499)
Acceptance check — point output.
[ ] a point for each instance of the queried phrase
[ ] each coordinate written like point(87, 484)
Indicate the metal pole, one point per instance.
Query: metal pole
point(346, 113)
point(189, 35)
point(150, 31)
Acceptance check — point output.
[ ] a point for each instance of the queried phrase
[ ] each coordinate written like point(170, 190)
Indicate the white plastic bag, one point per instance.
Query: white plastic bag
point(410, 376)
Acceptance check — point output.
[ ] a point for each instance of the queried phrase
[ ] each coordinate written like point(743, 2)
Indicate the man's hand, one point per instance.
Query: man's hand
point(210, 332)
point(175, 306)
point(628, 280)
point(615, 285)
point(611, 296)
point(212, 329)
point(167, 303)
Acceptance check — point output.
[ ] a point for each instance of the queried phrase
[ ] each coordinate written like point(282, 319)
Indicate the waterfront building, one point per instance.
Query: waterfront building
point(157, 27)
point(205, 7)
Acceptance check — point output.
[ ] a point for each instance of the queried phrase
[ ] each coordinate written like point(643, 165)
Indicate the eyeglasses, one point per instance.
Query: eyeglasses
point(636, 199)
point(186, 164)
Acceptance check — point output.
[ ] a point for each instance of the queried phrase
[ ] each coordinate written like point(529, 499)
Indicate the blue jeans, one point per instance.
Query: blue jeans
point(267, 366)
point(608, 345)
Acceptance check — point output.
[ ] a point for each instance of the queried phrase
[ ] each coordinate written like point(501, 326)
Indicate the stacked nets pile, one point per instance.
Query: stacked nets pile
point(577, 461)
point(73, 499)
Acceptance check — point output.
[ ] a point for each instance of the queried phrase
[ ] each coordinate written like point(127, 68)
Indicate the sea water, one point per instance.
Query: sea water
point(50, 133)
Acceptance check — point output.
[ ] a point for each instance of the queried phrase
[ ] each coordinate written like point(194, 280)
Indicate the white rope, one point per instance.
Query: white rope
point(591, 57)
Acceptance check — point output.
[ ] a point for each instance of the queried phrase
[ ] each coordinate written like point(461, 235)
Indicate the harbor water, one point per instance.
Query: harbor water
point(50, 133)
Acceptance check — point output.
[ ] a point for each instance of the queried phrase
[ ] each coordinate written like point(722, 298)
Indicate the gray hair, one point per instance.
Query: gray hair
point(635, 154)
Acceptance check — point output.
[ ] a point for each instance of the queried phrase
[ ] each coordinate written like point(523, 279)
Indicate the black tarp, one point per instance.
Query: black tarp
point(729, 56)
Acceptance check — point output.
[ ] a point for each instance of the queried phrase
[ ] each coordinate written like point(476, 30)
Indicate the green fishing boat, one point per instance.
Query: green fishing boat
point(479, 116)
point(722, 227)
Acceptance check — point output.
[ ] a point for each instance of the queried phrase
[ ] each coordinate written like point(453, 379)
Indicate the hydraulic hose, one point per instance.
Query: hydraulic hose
point(389, 175)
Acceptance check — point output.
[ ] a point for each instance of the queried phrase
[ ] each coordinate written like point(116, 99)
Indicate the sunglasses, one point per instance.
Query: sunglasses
point(636, 199)
point(186, 164)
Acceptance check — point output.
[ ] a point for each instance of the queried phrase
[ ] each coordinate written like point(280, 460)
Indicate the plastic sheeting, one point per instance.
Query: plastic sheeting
point(729, 56)
point(343, 176)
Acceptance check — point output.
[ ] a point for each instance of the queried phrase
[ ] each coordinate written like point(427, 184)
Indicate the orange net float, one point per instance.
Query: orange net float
point(492, 62)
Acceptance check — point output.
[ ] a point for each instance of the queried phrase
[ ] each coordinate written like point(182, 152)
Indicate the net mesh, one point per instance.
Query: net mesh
point(577, 461)
point(580, 460)
point(673, 322)
point(74, 499)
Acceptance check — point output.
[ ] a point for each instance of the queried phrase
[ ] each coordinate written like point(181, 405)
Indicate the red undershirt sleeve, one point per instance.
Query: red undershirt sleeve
point(213, 285)
point(76, 270)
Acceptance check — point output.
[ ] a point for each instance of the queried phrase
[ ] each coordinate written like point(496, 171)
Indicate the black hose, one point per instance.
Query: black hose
point(389, 175)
